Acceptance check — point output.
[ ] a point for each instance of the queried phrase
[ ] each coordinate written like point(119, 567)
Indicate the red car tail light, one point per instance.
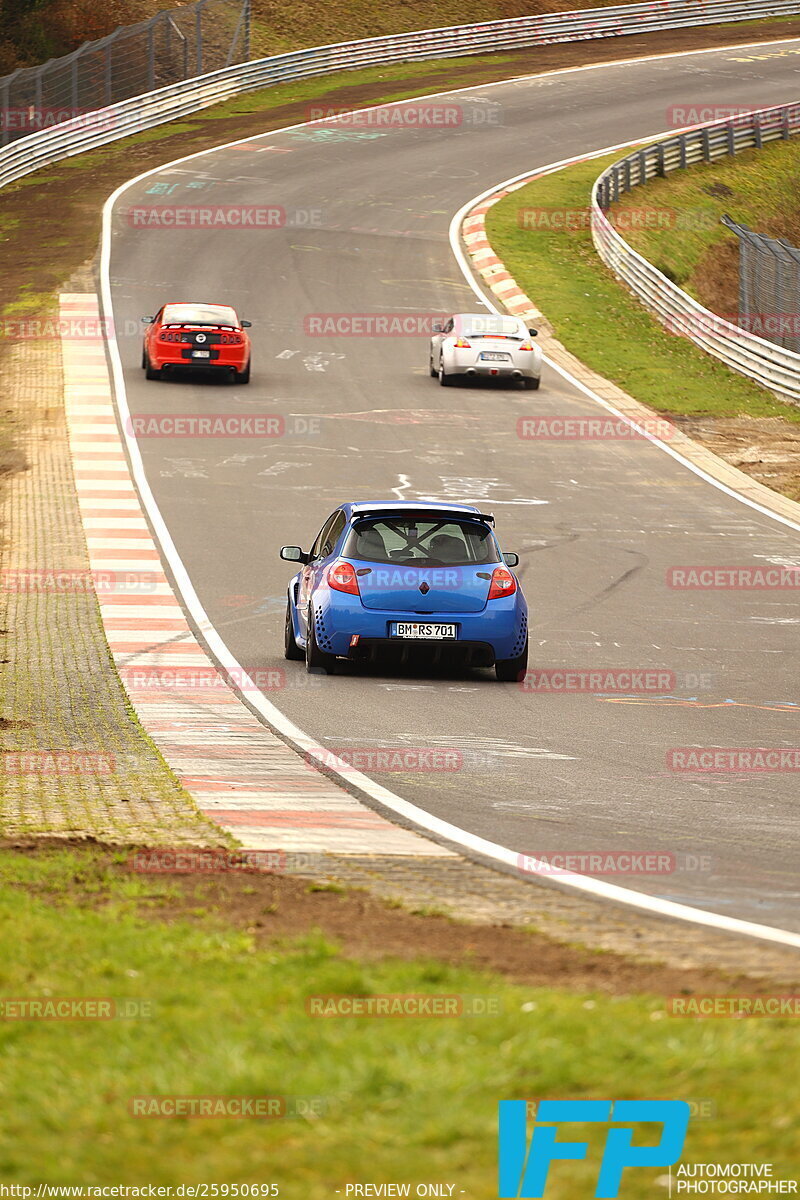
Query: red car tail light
point(231, 339)
point(503, 583)
point(526, 346)
point(462, 344)
point(168, 336)
point(342, 578)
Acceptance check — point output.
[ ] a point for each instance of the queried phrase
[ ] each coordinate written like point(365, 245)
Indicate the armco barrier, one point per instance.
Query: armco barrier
point(765, 362)
point(29, 153)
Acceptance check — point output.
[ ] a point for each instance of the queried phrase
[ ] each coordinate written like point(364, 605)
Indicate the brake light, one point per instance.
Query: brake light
point(231, 339)
point(503, 583)
point(462, 344)
point(166, 336)
point(526, 346)
point(342, 578)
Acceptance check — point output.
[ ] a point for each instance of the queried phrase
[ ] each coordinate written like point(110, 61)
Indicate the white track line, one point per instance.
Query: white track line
point(272, 715)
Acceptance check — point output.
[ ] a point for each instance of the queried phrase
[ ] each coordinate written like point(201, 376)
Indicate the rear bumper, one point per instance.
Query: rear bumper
point(406, 650)
point(496, 632)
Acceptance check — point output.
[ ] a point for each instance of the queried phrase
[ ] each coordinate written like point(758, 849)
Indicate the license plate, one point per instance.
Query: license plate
point(487, 356)
point(415, 629)
point(201, 354)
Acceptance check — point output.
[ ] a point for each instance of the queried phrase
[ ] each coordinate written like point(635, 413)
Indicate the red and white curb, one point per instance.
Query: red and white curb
point(237, 771)
point(492, 269)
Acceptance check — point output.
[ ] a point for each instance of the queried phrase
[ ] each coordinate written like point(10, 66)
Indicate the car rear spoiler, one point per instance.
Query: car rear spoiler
point(424, 514)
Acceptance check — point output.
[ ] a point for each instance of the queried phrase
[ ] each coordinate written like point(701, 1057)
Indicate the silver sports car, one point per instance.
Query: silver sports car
point(485, 345)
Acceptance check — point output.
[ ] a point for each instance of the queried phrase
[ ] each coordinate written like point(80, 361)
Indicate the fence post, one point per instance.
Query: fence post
point(247, 16)
point(198, 35)
point(151, 54)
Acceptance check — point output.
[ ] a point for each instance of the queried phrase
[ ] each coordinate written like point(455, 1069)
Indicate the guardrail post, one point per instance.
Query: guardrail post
point(757, 134)
point(785, 125)
point(151, 55)
point(4, 136)
point(660, 168)
point(642, 166)
point(627, 168)
point(730, 130)
point(706, 145)
point(683, 150)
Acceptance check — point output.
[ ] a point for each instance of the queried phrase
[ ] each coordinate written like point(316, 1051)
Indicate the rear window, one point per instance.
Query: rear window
point(485, 326)
point(414, 543)
point(199, 314)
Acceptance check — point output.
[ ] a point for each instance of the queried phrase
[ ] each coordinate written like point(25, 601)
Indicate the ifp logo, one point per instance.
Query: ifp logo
point(523, 1169)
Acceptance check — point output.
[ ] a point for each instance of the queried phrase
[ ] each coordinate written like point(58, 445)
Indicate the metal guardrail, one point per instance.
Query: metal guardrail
point(770, 365)
point(174, 45)
point(119, 120)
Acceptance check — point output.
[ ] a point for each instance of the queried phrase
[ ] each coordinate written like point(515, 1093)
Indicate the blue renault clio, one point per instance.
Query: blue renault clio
point(406, 581)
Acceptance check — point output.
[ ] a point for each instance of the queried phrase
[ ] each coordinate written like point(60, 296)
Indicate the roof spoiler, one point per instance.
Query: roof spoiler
point(425, 514)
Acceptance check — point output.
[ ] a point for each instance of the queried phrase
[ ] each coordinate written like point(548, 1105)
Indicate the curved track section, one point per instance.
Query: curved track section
point(597, 524)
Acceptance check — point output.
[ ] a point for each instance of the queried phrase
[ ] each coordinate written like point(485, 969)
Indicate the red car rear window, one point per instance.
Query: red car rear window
point(199, 314)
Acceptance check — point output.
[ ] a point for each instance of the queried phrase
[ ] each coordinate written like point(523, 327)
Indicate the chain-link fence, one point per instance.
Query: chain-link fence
point(769, 287)
point(171, 46)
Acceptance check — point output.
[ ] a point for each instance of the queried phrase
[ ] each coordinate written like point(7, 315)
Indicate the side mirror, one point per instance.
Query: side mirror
point(437, 327)
point(293, 554)
point(511, 560)
point(147, 320)
point(533, 332)
point(247, 324)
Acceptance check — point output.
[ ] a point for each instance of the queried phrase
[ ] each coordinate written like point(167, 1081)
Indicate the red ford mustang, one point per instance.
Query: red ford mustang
point(210, 336)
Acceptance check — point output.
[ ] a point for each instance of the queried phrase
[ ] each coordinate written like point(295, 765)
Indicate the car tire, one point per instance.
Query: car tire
point(291, 650)
point(512, 670)
point(317, 661)
point(531, 385)
point(444, 379)
point(242, 376)
point(150, 372)
point(433, 370)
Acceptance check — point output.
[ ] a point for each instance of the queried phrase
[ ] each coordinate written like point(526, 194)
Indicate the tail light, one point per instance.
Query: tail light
point(342, 578)
point(462, 344)
point(526, 346)
point(169, 336)
point(231, 339)
point(503, 583)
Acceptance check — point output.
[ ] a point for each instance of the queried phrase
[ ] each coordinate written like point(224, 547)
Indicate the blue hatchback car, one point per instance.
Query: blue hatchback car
point(422, 582)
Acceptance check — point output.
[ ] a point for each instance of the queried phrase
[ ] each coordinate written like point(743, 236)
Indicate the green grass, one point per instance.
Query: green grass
point(401, 1099)
point(599, 321)
point(757, 188)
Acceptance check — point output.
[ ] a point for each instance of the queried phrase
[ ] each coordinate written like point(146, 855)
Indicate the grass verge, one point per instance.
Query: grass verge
point(402, 1099)
point(757, 188)
point(599, 321)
